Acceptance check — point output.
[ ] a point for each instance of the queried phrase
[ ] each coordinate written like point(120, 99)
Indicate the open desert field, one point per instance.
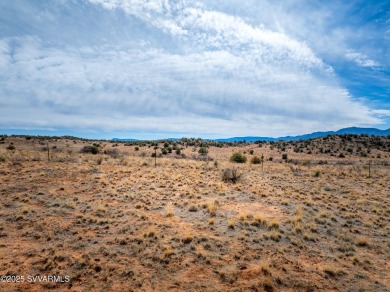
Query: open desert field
point(314, 216)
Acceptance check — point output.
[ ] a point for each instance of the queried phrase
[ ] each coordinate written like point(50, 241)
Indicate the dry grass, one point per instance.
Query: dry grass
point(115, 222)
point(231, 223)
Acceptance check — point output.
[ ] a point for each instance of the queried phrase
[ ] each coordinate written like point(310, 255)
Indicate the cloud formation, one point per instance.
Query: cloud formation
point(361, 60)
point(170, 67)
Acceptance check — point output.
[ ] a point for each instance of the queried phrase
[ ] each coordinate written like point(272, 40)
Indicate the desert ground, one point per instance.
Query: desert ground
point(314, 218)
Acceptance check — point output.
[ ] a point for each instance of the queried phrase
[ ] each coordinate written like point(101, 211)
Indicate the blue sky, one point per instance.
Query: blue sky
point(160, 68)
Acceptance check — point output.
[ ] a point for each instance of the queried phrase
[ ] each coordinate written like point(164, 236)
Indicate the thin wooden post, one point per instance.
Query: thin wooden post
point(369, 169)
point(48, 152)
point(262, 162)
point(155, 156)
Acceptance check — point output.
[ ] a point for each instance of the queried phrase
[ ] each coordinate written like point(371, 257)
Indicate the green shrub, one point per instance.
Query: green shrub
point(284, 156)
point(251, 152)
point(178, 151)
point(3, 158)
point(238, 157)
point(203, 151)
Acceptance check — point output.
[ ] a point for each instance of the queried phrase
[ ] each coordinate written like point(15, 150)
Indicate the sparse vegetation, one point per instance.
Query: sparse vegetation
point(195, 224)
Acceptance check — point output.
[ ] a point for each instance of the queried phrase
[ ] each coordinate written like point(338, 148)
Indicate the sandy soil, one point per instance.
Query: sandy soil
point(115, 222)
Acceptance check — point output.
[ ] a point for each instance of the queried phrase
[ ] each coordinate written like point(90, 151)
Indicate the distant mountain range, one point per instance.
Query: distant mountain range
point(351, 130)
point(124, 140)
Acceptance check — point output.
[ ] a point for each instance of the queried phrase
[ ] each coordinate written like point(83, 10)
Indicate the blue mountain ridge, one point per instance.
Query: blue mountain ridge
point(351, 130)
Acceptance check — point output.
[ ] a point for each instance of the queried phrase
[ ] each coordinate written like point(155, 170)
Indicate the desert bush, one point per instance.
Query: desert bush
point(284, 156)
point(251, 152)
point(203, 151)
point(178, 151)
point(10, 147)
point(255, 160)
point(113, 153)
point(3, 158)
point(230, 175)
point(238, 157)
point(90, 149)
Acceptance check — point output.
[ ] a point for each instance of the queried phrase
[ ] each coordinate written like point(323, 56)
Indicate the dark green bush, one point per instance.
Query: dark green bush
point(203, 151)
point(238, 157)
point(90, 149)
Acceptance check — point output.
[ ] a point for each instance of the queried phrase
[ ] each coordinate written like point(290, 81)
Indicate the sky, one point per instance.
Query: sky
point(156, 69)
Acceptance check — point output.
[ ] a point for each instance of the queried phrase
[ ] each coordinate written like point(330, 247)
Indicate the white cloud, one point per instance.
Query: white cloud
point(361, 60)
point(197, 70)
point(213, 30)
point(203, 93)
point(382, 113)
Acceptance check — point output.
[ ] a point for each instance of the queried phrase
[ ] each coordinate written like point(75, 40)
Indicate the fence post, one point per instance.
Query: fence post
point(369, 169)
point(48, 152)
point(155, 156)
point(262, 162)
